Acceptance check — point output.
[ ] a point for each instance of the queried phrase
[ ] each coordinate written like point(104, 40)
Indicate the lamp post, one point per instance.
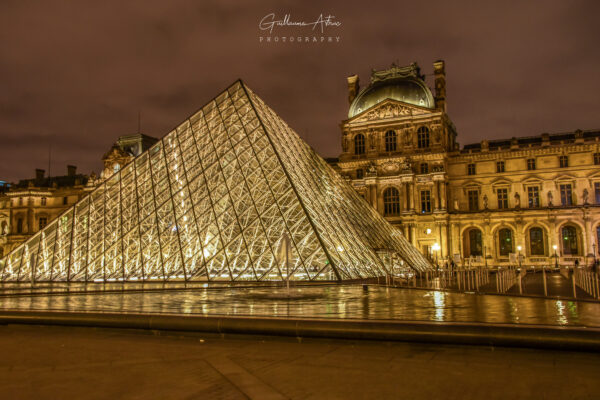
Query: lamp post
point(519, 250)
point(555, 257)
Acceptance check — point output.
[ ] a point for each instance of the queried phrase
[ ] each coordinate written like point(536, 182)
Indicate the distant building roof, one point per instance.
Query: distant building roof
point(532, 141)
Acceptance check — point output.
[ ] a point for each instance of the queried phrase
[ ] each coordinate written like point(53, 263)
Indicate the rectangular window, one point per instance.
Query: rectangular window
point(531, 164)
point(43, 223)
point(566, 195)
point(563, 161)
point(43, 201)
point(533, 196)
point(65, 200)
point(20, 225)
point(596, 158)
point(360, 173)
point(424, 168)
point(502, 198)
point(473, 200)
point(471, 169)
point(425, 201)
point(500, 166)
point(597, 193)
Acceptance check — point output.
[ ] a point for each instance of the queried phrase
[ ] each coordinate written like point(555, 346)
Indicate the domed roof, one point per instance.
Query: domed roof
point(398, 83)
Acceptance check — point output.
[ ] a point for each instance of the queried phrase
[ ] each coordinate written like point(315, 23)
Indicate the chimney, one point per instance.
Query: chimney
point(71, 170)
point(439, 70)
point(39, 174)
point(353, 87)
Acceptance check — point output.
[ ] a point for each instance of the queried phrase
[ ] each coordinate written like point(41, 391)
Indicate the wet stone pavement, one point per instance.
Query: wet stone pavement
point(335, 301)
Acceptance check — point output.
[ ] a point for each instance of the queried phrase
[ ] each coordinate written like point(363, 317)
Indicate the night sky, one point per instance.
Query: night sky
point(74, 75)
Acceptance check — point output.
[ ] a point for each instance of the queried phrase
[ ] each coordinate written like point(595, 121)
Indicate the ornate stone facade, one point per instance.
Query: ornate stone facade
point(483, 204)
point(29, 205)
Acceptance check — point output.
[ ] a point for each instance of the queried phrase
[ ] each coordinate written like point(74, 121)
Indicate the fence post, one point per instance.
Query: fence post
point(573, 283)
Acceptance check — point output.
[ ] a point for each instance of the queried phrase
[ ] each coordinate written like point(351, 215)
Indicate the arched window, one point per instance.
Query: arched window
point(390, 141)
point(423, 137)
point(569, 240)
point(473, 242)
point(536, 242)
point(4, 228)
point(505, 241)
point(359, 144)
point(20, 225)
point(391, 201)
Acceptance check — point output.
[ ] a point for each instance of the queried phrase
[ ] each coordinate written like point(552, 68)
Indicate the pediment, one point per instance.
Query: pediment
point(388, 109)
point(593, 174)
point(532, 179)
point(501, 181)
point(115, 152)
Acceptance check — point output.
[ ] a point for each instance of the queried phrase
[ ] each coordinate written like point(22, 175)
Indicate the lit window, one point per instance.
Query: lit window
point(390, 141)
point(500, 166)
point(536, 242)
point(563, 161)
point(391, 201)
point(471, 169)
point(569, 240)
point(359, 144)
point(502, 198)
point(531, 164)
point(425, 201)
point(116, 168)
point(533, 196)
point(505, 241)
point(423, 137)
point(566, 195)
point(475, 243)
point(473, 196)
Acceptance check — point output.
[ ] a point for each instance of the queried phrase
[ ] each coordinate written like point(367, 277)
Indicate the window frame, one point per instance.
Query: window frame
point(391, 201)
point(500, 167)
point(391, 141)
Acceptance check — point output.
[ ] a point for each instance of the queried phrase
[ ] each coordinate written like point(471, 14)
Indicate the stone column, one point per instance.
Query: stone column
point(416, 199)
point(408, 197)
point(435, 194)
point(588, 240)
point(444, 248)
point(443, 195)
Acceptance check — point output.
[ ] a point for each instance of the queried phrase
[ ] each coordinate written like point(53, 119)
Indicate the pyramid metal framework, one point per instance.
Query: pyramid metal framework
point(221, 197)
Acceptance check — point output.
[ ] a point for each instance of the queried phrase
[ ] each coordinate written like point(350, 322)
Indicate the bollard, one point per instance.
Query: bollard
point(497, 281)
point(520, 284)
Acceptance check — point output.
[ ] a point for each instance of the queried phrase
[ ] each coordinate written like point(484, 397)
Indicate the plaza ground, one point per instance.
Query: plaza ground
point(40, 362)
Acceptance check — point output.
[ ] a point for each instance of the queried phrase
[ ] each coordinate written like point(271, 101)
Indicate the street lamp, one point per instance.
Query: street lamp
point(519, 250)
point(555, 257)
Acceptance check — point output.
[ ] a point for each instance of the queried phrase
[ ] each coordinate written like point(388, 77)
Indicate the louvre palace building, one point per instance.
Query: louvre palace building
point(535, 199)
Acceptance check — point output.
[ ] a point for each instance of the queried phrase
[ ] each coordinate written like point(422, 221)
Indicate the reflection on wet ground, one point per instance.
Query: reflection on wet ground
point(336, 301)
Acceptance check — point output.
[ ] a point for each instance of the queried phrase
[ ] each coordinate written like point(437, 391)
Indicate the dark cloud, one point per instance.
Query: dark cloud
point(75, 75)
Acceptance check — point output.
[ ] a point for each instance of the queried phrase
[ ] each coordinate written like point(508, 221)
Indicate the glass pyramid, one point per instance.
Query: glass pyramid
point(231, 194)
